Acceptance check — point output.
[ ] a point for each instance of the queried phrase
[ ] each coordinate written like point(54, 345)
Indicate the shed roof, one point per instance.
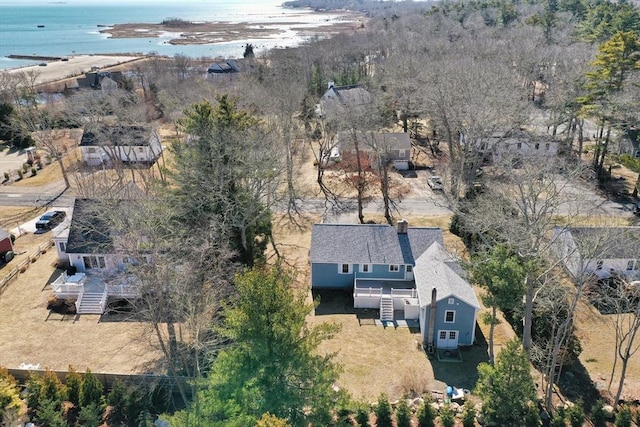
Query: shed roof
point(370, 243)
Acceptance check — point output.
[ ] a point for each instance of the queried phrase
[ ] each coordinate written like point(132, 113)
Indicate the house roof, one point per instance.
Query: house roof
point(348, 95)
point(89, 232)
point(137, 136)
point(607, 242)
point(370, 243)
point(436, 268)
point(94, 79)
point(385, 141)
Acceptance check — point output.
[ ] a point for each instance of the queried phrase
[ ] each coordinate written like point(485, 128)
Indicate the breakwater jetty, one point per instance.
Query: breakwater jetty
point(36, 57)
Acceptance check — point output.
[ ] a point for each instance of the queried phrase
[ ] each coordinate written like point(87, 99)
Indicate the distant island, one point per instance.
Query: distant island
point(217, 32)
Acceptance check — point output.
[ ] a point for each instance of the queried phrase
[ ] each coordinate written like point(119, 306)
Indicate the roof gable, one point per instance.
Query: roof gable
point(369, 243)
point(438, 269)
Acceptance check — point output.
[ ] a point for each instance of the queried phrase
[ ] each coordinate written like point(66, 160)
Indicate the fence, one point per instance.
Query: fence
point(22, 267)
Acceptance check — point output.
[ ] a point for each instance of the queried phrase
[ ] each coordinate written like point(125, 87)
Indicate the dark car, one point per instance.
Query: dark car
point(50, 220)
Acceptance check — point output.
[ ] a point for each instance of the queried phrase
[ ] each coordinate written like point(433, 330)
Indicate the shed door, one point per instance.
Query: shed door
point(447, 339)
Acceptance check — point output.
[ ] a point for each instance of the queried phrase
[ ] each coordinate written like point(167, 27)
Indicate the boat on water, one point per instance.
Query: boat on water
point(40, 26)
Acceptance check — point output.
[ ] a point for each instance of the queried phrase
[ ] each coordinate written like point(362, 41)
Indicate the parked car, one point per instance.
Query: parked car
point(49, 220)
point(435, 182)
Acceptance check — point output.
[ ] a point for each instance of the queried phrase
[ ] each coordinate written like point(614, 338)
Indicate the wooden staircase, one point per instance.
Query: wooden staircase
point(90, 303)
point(386, 308)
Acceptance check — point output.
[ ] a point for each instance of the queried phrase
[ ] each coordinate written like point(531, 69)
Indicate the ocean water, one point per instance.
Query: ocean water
point(72, 27)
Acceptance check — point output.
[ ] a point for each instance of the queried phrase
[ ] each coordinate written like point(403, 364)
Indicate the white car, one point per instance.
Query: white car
point(435, 182)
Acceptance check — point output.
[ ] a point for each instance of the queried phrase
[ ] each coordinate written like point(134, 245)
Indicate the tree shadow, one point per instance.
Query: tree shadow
point(463, 374)
point(333, 301)
point(575, 384)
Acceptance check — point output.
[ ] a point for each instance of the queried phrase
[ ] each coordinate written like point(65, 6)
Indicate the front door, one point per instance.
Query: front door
point(447, 339)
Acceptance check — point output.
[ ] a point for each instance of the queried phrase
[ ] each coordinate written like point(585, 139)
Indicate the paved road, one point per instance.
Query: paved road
point(36, 196)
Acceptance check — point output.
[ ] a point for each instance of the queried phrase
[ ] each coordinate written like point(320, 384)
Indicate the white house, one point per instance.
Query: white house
point(128, 144)
point(600, 251)
point(98, 263)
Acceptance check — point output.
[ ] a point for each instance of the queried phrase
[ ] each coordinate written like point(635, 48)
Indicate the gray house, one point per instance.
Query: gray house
point(404, 272)
point(341, 101)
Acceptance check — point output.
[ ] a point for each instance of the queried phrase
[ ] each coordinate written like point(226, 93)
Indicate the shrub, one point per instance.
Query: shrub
point(20, 173)
point(10, 402)
point(91, 390)
point(34, 171)
point(383, 412)
point(623, 419)
point(25, 167)
point(117, 399)
point(6, 176)
point(50, 414)
point(362, 414)
point(73, 381)
point(426, 414)
point(403, 413)
point(469, 416)
point(52, 388)
point(447, 418)
point(576, 415)
point(90, 415)
point(532, 417)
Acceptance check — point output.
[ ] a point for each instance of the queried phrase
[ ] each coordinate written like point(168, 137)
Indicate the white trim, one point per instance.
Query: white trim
point(369, 268)
point(454, 316)
point(451, 301)
point(397, 268)
point(349, 269)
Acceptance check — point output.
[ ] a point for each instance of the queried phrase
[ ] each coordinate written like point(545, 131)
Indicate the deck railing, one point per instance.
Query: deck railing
point(404, 293)
point(367, 292)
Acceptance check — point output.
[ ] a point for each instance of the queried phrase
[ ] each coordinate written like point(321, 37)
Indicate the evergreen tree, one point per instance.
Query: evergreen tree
point(383, 412)
point(403, 413)
point(447, 417)
point(426, 413)
point(623, 418)
point(91, 390)
point(73, 382)
point(273, 365)
point(220, 178)
point(506, 388)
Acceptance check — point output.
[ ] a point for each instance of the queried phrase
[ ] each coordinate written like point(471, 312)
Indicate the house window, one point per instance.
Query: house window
point(452, 335)
point(394, 267)
point(125, 260)
point(451, 301)
point(365, 268)
point(449, 316)
point(93, 262)
point(62, 246)
point(599, 265)
point(401, 154)
point(345, 268)
point(519, 145)
point(537, 145)
point(443, 335)
point(140, 149)
point(91, 150)
point(630, 265)
point(547, 146)
point(409, 268)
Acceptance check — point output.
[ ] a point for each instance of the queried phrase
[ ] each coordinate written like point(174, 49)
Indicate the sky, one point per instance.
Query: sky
point(80, 2)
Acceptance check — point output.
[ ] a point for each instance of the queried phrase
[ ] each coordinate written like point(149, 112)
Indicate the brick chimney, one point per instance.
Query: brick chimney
point(403, 225)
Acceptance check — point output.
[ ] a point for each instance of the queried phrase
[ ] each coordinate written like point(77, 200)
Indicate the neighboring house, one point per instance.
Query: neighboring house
point(97, 262)
point(128, 144)
point(394, 148)
point(226, 66)
point(105, 80)
point(404, 272)
point(630, 142)
point(6, 245)
point(600, 251)
point(342, 101)
point(514, 144)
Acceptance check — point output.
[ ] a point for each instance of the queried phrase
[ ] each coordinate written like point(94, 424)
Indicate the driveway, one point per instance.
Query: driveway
point(11, 160)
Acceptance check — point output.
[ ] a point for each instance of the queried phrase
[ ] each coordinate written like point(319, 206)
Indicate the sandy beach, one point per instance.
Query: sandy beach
point(184, 33)
point(74, 66)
